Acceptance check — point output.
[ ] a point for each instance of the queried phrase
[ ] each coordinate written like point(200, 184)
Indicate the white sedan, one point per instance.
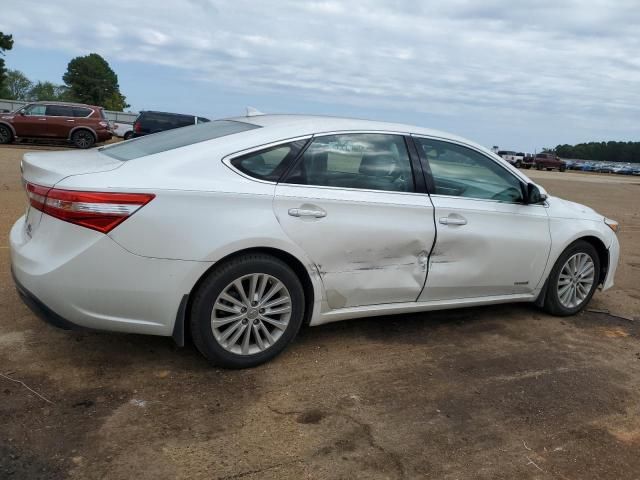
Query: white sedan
point(239, 231)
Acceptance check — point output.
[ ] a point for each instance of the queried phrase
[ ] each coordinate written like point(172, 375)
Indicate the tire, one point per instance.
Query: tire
point(6, 135)
point(518, 164)
point(562, 169)
point(128, 135)
point(83, 138)
point(538, 167)
point(217, 344)
point(555, 303)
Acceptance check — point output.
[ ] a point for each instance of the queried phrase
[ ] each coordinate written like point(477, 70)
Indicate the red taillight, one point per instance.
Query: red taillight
point(137, 128)
point(99, 211)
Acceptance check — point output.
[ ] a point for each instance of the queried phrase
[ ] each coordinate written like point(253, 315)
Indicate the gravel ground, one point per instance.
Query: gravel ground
point(498, 392)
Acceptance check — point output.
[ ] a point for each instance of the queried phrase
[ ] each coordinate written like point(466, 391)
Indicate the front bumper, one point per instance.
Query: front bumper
point(614, 256)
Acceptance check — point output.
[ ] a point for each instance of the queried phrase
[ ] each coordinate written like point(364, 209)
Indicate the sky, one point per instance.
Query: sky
point(521, 75)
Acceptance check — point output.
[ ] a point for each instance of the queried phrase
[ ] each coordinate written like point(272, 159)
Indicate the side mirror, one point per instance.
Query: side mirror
point(535, 194)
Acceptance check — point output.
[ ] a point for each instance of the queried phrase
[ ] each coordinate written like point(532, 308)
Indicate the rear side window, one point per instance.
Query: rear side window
point(370, 161)
point(80, 112)
point(270, 163)
point(171, 139)
point(59, 111)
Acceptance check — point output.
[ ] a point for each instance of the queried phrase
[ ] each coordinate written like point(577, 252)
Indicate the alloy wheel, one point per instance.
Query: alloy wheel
point(251, 314)
point(83, 139)
point(576, 280)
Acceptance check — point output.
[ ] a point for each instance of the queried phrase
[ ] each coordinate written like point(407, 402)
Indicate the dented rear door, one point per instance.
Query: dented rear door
point(369, 247)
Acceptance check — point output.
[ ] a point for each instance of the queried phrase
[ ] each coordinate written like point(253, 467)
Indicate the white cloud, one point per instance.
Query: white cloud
point(576, 58)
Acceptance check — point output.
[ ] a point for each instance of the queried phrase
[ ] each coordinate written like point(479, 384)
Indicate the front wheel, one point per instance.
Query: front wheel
point(246, 311)
point(6, 136)
point(83, 139)
point(573, 279)
point(128, 135)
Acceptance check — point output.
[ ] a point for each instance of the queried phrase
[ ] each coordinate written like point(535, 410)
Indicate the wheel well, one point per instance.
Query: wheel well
point(95, 137)
point(603, 255)
point(295, 264)
point(13, 133)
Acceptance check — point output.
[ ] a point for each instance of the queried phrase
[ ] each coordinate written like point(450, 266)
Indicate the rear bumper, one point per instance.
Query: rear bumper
point(40, 309)
point(104, 135)
point(75, 277)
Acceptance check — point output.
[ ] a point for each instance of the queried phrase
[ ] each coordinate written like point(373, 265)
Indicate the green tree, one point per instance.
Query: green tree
point(47, 91)
point(6, 43)
point(90, 79)
point(17, 85)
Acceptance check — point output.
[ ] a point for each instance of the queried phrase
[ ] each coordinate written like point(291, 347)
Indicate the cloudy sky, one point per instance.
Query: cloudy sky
point(522, 75)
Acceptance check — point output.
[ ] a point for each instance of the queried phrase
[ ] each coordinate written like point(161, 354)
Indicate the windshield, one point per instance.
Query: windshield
point(176, 138)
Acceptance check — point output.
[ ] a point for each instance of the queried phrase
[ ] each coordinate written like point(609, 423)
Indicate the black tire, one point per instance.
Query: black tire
point(562, 169)
point(213, 285)
point(128, 135)
point(538, 167)
point(83, 138)
point(518, 164)
point(552, 303)
point(6, 135)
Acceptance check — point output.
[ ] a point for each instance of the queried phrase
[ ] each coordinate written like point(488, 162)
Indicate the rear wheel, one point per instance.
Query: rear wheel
point(83, 139)
point(6, 136)
point(573, 279)
point(247, 311)
point(128, 135)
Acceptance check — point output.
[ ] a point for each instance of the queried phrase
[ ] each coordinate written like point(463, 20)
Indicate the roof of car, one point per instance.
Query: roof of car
point(66, 104)
point(312, 124)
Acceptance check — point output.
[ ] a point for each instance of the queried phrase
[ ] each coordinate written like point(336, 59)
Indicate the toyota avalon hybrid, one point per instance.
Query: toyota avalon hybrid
point(237, 232)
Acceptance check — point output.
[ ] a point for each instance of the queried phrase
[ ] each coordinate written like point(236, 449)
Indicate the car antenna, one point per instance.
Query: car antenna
point(252, 112)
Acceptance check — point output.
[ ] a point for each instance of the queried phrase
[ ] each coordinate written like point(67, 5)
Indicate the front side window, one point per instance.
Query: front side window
point(462, 172)
point(369, 161)
point(34, 110)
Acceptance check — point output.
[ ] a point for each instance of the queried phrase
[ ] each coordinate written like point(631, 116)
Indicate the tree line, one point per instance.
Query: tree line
point(601, 151)
point(88, 79)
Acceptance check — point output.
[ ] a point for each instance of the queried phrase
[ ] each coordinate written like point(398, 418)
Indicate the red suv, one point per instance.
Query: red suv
point(550, 161)
point(81, 125)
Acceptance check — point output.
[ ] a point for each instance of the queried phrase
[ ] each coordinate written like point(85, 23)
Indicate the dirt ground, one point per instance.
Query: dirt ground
point(500, 392)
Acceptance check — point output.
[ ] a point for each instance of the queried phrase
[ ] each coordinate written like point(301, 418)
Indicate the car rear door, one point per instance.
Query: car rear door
point(60, 121)
point(353, 204)
point(489, 242)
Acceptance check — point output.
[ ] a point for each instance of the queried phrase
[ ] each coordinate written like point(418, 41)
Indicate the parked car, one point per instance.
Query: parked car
point(514, 158)
point(549, 161)
point(237, 232)
point(605, 167)
point(154, 122)
point(81, 125)
point(123, 130)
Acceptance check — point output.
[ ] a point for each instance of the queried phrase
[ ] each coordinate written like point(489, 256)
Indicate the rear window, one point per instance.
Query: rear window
point(81, 112)
point(170, 139)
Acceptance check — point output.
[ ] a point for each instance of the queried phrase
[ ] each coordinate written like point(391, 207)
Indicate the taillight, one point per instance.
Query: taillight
point(99, 211)
point(137, 128)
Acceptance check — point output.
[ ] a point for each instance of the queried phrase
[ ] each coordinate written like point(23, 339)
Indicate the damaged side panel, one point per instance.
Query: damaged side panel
point(368, 247)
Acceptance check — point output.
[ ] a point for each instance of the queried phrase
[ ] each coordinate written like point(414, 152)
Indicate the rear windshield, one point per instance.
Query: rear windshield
point(170, 139)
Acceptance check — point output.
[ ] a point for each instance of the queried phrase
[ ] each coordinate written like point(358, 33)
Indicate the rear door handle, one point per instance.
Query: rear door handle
point(451, 220)
point(70, 120)
point(304, 212)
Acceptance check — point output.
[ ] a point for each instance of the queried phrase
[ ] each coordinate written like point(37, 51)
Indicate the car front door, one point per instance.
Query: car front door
point(352, 204)
point(31, 121)
point(489, 242)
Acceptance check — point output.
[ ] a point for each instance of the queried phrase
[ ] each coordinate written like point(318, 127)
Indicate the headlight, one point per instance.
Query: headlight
point(612, 224)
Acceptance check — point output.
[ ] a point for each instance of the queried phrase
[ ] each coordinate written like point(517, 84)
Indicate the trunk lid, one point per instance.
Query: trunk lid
point(48, 168)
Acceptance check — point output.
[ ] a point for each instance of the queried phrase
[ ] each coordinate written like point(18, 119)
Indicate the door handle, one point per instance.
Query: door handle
point(42, 119)
point(450, 220)
point(70, 120)
point(304, 212)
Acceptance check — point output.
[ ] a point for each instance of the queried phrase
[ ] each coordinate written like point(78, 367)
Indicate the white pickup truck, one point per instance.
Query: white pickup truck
point(514, 158)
